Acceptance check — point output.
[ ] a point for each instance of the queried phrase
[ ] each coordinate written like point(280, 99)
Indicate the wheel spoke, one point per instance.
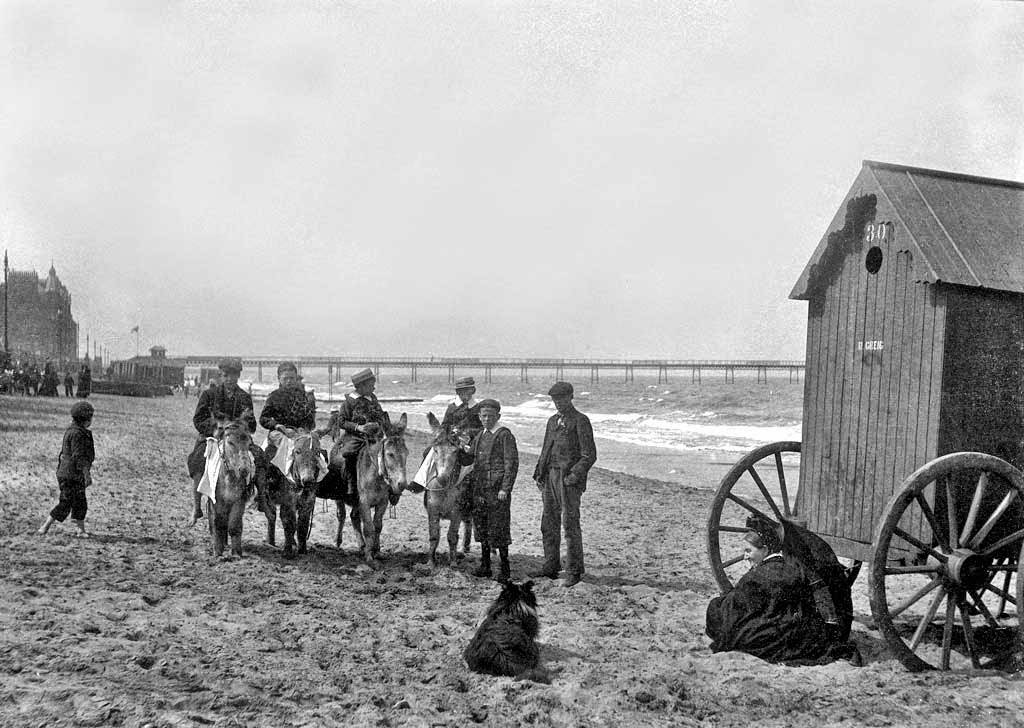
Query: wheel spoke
point(927, 618)
point(743, 504)
point(1002, 593)
point(1006, 588)
point(965, 617)
point(954, 530)
point(980, 604)
point(920, 545)
point(916, 597)
point(782, 484)
point(764, 491)
point(984, 531)
point(947, 631)
point(733, 529)
point(732, 561)
point(917, 569)
point(929, 514)
point(972, 515)
point(1006, 541)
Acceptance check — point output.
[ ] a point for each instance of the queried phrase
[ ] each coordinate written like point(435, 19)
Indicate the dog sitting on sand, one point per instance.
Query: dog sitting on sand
point(505, 643)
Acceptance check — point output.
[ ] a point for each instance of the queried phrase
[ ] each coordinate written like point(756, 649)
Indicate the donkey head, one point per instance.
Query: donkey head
point(394, 454)
point(305, 458)
point(235, 440)
point(445, 445)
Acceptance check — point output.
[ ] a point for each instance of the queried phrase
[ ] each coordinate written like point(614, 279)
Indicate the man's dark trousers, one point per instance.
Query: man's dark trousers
point(561, 508)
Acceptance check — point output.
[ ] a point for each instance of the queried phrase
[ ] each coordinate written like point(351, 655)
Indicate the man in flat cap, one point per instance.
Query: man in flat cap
point(361, 417)
point(290, 405)
point(219, 401)
point(566, 457)
point(495, 459)
point(462, 418)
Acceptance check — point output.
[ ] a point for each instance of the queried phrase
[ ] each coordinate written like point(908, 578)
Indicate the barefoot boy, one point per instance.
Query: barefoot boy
point(73, 470)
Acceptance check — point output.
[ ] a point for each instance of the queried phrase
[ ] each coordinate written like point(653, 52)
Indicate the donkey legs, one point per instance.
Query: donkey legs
point(340, 507)
point(356, 518)
point(218, 521)
point(453, 539)
point(234, 526)
point(434, 529)
point(288, 521)
point(371, 545)
point(305, 506)
point(271, 513)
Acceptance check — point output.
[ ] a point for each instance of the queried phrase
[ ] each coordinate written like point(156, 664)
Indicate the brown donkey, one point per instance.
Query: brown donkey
point(294, 492)
point(235, 486)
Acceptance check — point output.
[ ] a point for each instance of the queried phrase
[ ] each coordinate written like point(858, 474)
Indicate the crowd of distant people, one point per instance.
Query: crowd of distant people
point(25, 378)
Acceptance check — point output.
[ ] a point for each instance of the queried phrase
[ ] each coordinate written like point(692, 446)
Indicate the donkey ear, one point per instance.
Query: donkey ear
point(403, 421)
point(434, 424)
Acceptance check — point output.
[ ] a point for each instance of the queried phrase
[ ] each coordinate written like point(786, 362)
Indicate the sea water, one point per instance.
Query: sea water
point(649, 430)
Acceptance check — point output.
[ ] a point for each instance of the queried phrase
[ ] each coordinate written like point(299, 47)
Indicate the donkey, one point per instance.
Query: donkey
point(294, 492)
point(380, 477)
point(445, 493)
point(235, 486)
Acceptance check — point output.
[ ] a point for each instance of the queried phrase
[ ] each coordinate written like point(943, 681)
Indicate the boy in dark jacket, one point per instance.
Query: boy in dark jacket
point(74, 468)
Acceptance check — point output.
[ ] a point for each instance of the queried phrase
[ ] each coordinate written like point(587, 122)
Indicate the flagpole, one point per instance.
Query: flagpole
point(7, 345)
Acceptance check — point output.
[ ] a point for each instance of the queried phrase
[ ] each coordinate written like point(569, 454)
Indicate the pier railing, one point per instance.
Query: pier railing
point(484, 367)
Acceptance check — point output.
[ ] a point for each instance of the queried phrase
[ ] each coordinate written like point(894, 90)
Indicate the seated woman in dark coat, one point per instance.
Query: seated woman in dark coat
point(771, 612)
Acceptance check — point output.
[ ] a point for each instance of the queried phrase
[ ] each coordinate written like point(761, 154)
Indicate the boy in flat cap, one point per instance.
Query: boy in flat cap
point(462, 417)
point(74, 471)
point(566, 457)
point(361, 417)
point(495, 459)
point(223, 400)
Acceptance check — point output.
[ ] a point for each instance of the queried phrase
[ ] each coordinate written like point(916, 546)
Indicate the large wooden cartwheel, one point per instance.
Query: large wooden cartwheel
point(947, 573)
point(756, 485)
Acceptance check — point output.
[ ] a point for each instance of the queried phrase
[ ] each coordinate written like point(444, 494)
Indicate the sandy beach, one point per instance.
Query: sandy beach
point(139, 626)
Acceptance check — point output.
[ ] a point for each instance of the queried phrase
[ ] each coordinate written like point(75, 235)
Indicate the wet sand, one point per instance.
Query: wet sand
point(140, 626)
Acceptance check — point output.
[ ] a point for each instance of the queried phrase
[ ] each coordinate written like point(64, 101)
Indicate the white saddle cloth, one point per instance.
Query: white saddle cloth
point(208, 484)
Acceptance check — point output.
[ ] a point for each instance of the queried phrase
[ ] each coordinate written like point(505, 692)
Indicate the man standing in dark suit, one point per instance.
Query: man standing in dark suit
point(567, 455)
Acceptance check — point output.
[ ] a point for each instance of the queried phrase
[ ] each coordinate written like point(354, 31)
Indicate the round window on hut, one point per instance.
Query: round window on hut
point(873, 260)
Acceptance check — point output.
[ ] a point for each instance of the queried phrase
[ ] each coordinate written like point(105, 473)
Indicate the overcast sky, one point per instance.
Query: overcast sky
point(554, 179)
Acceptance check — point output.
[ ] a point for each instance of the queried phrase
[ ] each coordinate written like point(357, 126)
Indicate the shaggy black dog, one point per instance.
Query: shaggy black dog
point(505, 643)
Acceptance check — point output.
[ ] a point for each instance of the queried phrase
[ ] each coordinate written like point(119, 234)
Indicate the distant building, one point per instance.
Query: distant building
point(39, 320)
point(153, 369)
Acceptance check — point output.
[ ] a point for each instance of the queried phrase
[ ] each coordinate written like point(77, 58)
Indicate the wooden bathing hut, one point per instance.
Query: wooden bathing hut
point(915, 341)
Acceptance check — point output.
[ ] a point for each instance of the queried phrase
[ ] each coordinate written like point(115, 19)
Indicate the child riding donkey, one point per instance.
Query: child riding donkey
point(225, 401)
point(293, 448)
point(361, 419)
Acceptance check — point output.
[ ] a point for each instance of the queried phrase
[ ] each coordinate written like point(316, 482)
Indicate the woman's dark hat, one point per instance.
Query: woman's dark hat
point(763, 533)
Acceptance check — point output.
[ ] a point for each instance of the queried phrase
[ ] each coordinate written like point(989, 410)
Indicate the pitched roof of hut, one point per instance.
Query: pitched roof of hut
point(963, 229)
